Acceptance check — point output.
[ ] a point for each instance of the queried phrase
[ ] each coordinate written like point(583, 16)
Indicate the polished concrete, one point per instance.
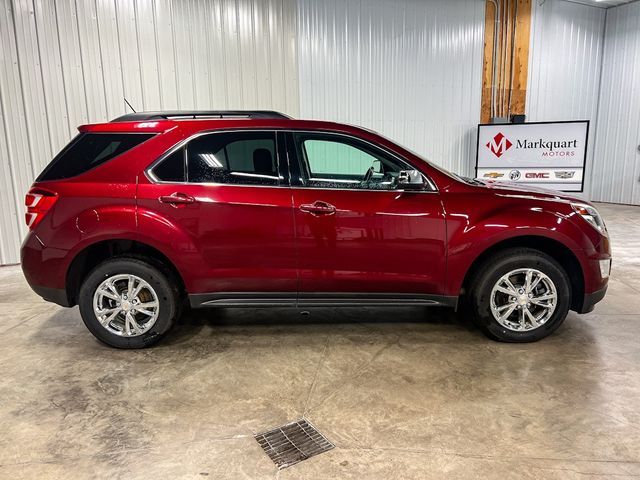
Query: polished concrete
point(403, 393)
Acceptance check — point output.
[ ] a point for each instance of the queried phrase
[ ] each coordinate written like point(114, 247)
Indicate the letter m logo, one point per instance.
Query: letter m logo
point(499, 144)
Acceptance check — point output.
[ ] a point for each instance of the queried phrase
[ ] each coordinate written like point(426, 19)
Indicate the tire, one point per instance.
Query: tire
point(514, 264)
point(156, 287)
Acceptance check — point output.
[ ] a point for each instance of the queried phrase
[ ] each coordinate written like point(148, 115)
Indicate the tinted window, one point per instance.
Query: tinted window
point(247, 158)
point(333, 161)
point(172, 168)
point(88, 150)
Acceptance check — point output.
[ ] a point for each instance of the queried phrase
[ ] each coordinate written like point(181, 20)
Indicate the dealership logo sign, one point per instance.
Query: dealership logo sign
point(499, 144)
point(547, 154)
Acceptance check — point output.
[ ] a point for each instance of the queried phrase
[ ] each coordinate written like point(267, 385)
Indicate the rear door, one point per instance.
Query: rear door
point(358, 236)
point(227, 193)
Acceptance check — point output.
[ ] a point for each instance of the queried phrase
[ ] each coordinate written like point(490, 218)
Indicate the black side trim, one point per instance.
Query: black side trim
point(243, 299)
point(55, 295)
point(338, 299)
point(590, 300)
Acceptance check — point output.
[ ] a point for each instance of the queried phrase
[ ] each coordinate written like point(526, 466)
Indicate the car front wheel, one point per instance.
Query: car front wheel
point(520, 295)
point(128, 303)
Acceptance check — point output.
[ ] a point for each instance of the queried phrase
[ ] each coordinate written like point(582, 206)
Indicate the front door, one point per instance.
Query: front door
point(357, 235)
point(228, 197)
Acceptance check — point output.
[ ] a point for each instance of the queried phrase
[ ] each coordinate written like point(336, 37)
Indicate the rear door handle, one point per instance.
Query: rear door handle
point(177, 199)
point(318, 208)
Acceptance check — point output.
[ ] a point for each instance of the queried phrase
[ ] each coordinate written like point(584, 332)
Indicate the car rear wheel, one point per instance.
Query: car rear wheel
point(128, 303)
point(520, 295)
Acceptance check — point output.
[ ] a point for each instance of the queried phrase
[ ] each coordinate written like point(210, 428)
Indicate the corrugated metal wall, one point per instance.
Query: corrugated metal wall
point(411, 70)
point(65, 62)
point(616, 172)
point(564, 64)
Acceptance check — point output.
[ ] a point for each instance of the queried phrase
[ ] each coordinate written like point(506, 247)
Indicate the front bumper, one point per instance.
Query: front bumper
point(590, 299)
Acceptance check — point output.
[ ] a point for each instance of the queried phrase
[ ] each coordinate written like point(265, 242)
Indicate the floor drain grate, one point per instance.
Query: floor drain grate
point(293, 443)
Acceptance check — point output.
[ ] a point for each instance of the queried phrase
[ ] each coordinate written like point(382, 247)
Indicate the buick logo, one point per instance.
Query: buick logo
point(499, 144)
point(514, 175)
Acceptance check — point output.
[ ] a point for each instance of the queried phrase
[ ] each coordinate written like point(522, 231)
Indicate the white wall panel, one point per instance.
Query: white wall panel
point(67, 62)
point(617, 159)
point(565, 59)
point(409, 69)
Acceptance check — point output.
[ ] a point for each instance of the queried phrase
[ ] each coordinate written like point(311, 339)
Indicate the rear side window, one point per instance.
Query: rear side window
point(241, 158)
point(236, 158)
point(172, 168)
point(88, 150)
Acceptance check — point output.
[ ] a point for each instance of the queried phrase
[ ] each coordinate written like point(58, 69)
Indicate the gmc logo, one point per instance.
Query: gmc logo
point(536, 175)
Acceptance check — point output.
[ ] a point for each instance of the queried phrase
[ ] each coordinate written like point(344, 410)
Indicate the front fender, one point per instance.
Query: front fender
point(471, 234)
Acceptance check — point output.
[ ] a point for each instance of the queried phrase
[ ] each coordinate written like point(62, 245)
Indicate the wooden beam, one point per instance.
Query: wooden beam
point(521, 60)
point(487, 67)
point(511, 58)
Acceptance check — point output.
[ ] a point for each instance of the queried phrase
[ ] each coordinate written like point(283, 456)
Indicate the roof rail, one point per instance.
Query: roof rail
point(195, 114)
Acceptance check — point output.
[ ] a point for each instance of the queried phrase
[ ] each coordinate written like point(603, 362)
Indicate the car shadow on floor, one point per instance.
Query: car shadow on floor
point(269, 321)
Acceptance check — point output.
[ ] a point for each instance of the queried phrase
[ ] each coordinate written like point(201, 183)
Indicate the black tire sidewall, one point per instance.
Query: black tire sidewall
point(166, 292)
point(497, 268)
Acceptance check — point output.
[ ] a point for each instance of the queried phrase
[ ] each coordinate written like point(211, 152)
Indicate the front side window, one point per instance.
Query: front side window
point(335, 161)
point(238, 158)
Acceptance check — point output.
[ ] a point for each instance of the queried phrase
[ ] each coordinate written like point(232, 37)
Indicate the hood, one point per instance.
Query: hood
point(512, 188)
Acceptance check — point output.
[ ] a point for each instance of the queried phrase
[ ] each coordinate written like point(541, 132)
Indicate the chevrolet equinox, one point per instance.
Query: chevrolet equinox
point(154, 211)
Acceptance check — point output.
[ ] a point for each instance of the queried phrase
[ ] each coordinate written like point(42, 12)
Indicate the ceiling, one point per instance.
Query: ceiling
point(602, 3)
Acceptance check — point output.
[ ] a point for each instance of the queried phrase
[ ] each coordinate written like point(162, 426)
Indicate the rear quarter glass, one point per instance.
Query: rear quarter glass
point(87, 151)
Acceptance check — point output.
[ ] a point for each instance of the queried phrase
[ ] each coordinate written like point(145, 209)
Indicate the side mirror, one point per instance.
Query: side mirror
point(410, 180)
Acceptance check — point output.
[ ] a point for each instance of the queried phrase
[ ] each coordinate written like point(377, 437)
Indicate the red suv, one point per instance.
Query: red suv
point(137, 216)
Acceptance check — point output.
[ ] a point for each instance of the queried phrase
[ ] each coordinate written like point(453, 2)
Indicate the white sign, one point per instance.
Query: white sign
point(547, 154)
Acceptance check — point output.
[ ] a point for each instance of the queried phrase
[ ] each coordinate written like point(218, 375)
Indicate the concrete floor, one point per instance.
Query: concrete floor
point(404, 393)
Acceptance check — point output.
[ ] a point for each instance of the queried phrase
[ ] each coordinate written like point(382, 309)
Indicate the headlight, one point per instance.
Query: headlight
point(591, 215)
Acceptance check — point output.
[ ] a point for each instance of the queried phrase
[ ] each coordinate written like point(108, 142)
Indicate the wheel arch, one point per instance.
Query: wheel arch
point(555, 249)
point(94, 254)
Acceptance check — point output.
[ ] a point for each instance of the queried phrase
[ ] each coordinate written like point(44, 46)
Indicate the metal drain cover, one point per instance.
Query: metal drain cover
point(293, 443)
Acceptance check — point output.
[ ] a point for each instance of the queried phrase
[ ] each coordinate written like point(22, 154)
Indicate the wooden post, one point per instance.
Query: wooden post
point(509, 84)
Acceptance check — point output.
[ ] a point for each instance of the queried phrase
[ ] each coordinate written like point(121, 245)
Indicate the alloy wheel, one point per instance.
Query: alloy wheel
point(523, 299)
point(126, 305)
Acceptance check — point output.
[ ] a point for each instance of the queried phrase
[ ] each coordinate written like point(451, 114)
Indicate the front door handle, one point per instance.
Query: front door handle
point(177, 198)
point(318, 208)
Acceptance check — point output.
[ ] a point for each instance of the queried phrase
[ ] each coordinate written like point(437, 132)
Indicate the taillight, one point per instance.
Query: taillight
point(38, 202)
